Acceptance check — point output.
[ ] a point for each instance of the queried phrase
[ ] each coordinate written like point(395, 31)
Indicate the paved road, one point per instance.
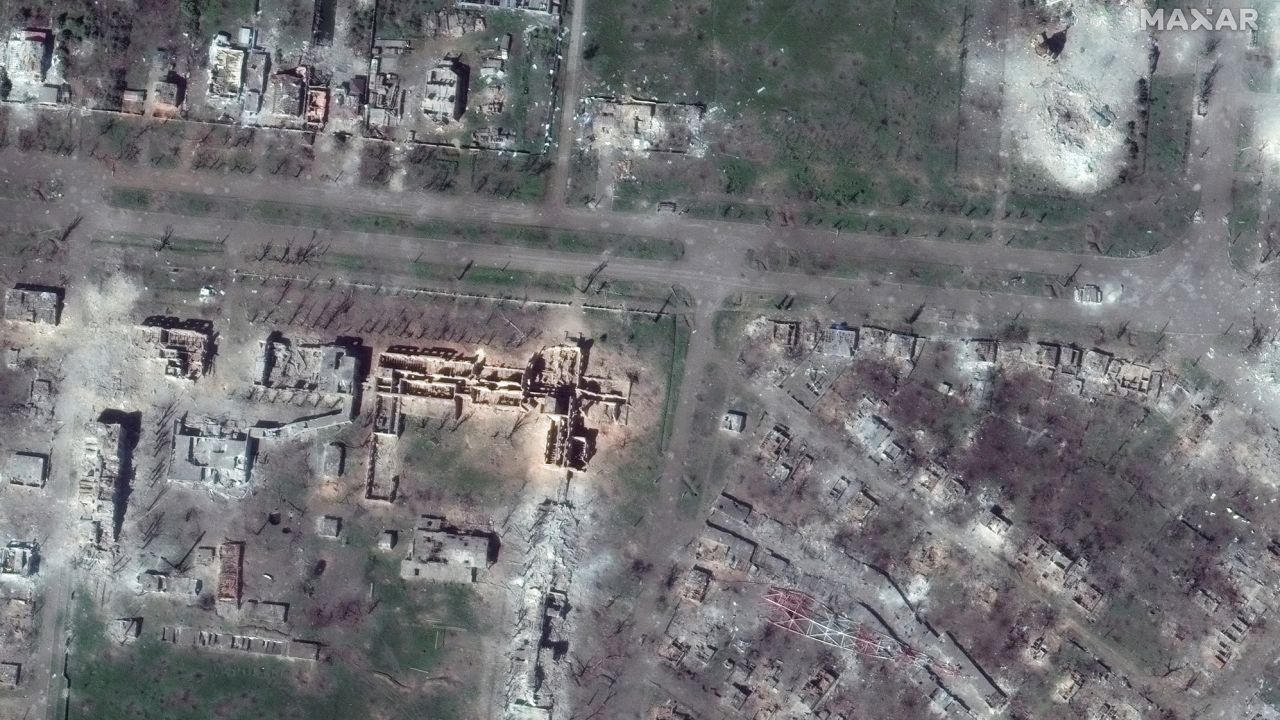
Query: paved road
point(1177, 290)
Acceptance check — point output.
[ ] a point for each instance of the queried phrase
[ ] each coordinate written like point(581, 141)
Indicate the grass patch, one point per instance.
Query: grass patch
point(739, 175)
point(756, 59)
point(131, 198)
point(1047, 209)
point(1149, 227)
point(783, 259)
point(1195, 376)
point(1244, 223)
point(444, 462)
point(507, 279)
point(277, 213)
point(345, 262)
point(1169, 129)
point(415, 625)
point(659, 347)
point(179, 245)
point(1132, 625)
point(183, 683)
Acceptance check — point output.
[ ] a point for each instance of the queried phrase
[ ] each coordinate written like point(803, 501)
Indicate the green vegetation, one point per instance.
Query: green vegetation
point(164, 144)
point(637, 195)
point(593, 243)
point(739, 175)
point(503, 278)
point(1128, 620)
point(405, 19)
point(777, 64)
point(658, 345)
point(733, 211)
point(415, 625)
point(532, 90)
point(1150, 226)
point(131, 198)
point(884, 160)
point(180, 245)
point(445, 462)
point(186, 684)
point(1169, 125)
point(1042, 208)
point(780, 258)
point(1244, 222)
point(221, 15)
point(508, 282)
point(675, 374)
point(1195, 376)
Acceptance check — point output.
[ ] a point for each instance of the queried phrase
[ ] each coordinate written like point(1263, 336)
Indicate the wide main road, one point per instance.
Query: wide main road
point(1167, 291)
point(1190, 289)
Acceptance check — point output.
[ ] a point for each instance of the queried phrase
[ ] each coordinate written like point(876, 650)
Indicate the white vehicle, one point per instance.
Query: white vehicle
point(1088, 294)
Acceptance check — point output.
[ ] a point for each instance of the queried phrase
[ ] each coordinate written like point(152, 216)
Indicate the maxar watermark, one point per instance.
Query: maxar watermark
point(1207, 19)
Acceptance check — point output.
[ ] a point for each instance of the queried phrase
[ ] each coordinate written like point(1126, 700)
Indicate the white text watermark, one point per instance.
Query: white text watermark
point(1207, 19)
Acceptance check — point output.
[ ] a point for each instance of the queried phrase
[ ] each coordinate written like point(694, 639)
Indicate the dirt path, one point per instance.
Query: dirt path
point(570, 81)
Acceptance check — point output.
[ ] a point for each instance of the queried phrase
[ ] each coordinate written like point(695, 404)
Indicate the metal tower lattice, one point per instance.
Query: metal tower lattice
point(801, 613)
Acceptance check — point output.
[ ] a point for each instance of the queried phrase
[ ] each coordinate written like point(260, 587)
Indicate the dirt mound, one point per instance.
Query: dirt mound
point(1068, 114)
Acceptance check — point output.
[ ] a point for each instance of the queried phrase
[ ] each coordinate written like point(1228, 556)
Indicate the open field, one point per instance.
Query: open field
point(892, 158)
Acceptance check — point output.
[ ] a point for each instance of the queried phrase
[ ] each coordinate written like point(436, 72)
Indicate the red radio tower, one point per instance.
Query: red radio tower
point(801, 613)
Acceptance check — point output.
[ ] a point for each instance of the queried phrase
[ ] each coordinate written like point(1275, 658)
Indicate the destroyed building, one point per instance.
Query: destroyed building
point(211, 454)
point(33, 304)
point(272, 645)
point(266, 612)
point(19, 558)
point(106, 473)
point(27, 469)
point(492, 93)
point(167, 96)
point(230, 572)
point(27, 59)
point(311, 367)
point(329, 526)
point(386, 97)
point(381, 483)
point(133, 100)
point(10, 674)
point(545, 7)
point(645, 126)
point(324, 21)
point(442, 553)
point(837, 341)
point(428, 382)
point(159, 582)
point(288, 90)
point(733, 421)
point(1089, 294)
point(28, 55)
point(186, 347)
point(226, 67)
point(316, 111)
point(333, 460)
point(257, 66)
point(555, 379)
point(445, 91)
